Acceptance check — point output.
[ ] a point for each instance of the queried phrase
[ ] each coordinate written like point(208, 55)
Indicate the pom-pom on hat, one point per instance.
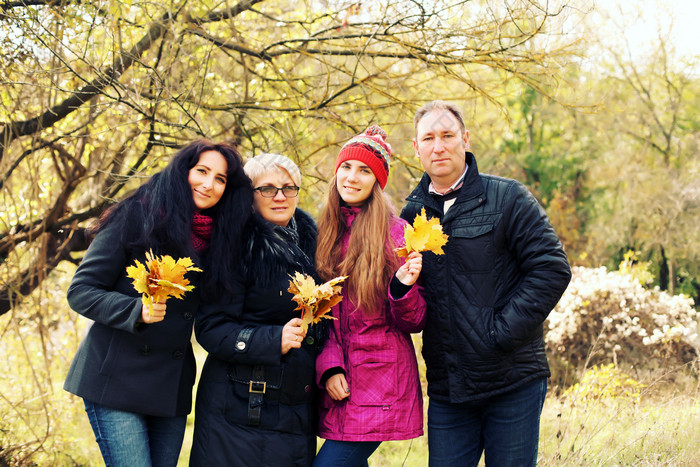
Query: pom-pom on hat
point(371, 148)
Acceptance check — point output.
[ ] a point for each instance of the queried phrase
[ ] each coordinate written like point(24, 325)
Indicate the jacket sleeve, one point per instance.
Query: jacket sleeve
point(224, 334)
point(408, 213)
point(332, 354)
point(92, 290)
point(544, 270)
point(408, 313)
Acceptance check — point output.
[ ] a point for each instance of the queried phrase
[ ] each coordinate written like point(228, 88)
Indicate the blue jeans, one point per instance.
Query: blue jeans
point(134, 440)
point(345, 453)
point(505, 427)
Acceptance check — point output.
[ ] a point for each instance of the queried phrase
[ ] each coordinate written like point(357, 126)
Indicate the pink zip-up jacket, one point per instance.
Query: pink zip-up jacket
point(377, 356)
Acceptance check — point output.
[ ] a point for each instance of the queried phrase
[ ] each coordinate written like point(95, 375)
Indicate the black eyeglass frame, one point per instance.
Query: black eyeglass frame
point(289, 191)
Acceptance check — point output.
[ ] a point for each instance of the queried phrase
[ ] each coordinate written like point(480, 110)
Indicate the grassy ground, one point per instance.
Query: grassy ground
point(653, 433)
point(661, 430)
point(656, 432)
point(40, 424)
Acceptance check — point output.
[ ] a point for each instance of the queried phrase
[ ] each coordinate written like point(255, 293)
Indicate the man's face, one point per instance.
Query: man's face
point(440, 144)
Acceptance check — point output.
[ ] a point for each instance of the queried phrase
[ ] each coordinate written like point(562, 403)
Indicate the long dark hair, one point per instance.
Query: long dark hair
point(158, 215)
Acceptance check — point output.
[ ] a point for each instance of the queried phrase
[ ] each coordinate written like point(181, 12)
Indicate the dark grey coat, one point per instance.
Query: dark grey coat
point(142, 368)
point(503, 271)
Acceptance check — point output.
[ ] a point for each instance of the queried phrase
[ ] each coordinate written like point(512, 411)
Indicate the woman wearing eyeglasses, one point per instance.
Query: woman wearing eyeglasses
point(256, 403)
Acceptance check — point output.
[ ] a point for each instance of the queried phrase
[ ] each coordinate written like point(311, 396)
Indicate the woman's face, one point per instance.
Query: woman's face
point(277, 209)
point(354, 181)
point(208, 179)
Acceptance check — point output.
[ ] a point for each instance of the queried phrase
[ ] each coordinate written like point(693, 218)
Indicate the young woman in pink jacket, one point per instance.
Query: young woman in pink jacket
point(368, 366)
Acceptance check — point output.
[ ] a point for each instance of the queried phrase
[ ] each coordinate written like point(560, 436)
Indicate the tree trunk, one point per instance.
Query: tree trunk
point(663, 270)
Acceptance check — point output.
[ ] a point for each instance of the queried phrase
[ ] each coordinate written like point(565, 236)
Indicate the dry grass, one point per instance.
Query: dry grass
point(43, 425)
point(661, 430)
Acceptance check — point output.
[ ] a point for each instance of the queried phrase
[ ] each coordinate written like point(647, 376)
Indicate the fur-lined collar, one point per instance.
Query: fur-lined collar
point(271, 251)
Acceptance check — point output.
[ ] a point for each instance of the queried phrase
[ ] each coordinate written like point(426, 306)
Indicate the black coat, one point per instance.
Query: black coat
point(123, 364)
point(503, 271)
point(244, 332)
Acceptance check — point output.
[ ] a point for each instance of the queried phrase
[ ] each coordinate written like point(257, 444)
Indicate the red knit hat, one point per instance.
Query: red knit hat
point(371, 148)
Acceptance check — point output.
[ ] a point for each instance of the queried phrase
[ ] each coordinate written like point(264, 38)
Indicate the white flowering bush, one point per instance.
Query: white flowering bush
point(609, 316)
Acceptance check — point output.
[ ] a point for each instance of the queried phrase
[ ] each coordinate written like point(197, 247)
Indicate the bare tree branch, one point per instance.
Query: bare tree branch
point(58, 248)
point(13, 130)
point(265, 77)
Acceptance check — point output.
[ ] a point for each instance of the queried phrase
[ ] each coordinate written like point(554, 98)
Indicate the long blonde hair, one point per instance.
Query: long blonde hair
point(368, 271)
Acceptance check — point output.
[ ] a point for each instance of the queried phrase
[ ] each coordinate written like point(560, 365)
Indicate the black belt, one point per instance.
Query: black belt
point(256, 394)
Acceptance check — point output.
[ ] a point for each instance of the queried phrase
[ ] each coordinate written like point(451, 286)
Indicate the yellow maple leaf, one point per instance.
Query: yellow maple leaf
point(140, 276)
point(302, 286)
point(314, 301)
point(423, 235)
point(160, 278)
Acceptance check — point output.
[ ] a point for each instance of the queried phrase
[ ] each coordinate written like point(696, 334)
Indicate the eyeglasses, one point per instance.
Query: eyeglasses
point(271, 191)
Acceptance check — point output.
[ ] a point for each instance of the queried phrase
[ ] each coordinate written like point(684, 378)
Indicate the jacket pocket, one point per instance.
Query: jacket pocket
point(112, 353)
point(374, 379)
point(473, 241)
point(473, 230)
point(497, 350)
point(298, 382)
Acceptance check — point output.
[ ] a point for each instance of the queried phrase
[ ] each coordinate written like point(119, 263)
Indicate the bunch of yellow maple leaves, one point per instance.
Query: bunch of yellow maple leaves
point(160, 278)
point(314, 301)
point(423, 235)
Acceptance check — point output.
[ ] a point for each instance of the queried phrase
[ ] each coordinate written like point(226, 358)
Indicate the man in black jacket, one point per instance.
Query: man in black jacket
point(503, 271)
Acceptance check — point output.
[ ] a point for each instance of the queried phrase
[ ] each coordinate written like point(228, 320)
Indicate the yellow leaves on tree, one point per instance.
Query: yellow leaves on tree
point(314, 301)
point(161, 278)
point(423, 235)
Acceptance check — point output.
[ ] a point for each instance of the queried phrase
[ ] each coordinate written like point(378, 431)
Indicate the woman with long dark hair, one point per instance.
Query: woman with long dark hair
point(135, 367)
point(368, 366)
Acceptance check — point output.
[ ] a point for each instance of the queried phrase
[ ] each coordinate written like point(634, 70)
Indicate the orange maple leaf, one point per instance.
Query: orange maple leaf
point(423, 235)
point(314, 301)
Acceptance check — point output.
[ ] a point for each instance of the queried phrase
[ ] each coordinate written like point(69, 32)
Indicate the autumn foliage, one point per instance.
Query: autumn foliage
point(314, 301)
point(160, 278)
point(423, 235)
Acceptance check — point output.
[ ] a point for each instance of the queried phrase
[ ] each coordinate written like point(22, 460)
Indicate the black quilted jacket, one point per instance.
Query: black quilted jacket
point(503, 271)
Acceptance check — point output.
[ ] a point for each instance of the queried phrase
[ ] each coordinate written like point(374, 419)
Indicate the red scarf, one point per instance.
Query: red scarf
point(201, 232)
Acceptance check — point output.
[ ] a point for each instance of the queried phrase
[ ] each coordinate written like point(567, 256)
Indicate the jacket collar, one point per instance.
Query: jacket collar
point(271, 251)
point(472, 187)
point(349, 213)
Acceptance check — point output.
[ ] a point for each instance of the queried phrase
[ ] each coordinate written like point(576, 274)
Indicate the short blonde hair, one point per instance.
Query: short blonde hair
point(257, 166)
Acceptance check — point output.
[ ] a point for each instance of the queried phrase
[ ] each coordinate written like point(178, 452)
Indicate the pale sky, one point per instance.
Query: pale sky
point(642, 19)
point(687, 25)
